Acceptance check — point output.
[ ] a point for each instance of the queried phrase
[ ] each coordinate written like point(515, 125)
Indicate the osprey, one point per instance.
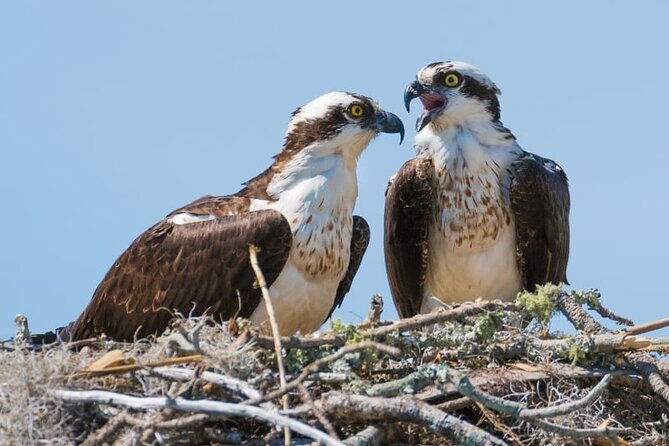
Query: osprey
point(472, 215)
point(298, 213)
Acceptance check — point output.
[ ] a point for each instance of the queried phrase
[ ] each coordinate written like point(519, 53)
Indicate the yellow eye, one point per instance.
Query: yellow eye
point(356, 110)
point(452, 80)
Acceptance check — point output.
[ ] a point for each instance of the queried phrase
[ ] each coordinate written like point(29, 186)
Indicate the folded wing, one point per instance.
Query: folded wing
point(409, 205)
point(192, 268)
point(540, 205)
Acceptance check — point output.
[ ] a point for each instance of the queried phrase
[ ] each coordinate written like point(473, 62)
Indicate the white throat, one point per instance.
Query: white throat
point(316, 193)
point(314, 183)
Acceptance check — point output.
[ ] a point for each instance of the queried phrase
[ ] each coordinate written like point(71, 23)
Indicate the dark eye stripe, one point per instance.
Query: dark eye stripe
point(474, 89)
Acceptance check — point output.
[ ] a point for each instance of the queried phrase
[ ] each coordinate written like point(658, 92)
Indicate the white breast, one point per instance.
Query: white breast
point(472, 242)
point(318, 207)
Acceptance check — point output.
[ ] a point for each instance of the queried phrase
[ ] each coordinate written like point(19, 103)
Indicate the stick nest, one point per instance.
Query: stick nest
point(485, 372)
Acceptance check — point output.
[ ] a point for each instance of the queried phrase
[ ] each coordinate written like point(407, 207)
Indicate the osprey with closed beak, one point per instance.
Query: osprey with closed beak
point(473, 214)
point(298, 212)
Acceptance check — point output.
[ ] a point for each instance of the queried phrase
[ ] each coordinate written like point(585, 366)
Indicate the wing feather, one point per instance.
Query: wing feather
point(408, 209)
point(359, 243)
point(193, 268)
point(540, 204)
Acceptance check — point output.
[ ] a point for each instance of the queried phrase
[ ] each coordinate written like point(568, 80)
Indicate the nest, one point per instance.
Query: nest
point(485, 372)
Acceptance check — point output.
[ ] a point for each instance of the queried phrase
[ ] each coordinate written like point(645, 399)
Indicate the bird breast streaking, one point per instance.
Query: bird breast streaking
point(298, 212)
point(472, 215)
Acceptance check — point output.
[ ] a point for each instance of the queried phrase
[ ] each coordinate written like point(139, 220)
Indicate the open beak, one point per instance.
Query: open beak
point(433, 102)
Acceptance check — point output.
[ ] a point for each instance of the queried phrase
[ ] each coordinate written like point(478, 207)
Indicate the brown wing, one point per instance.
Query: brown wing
point(540, 205)
point(409, 207)
point(359, 242)
point(193, 268)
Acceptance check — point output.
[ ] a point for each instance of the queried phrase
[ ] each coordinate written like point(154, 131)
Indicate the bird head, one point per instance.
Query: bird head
point(338, 122)
point(453, 93)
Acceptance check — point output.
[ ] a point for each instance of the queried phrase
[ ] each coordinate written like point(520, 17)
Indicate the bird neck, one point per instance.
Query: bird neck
point(316, 195)
point(318, 172)
point(467, 147)
point(311, 188)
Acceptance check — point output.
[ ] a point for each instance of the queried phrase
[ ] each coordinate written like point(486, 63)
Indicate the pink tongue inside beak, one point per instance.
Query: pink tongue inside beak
point(431, 101)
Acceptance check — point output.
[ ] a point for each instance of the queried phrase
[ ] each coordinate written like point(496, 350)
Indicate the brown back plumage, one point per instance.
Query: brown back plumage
point(193, 269)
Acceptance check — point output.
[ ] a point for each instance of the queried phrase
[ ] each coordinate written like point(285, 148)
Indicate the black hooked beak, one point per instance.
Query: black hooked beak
point(433, 102)
point(413, 90)
point(386, 122)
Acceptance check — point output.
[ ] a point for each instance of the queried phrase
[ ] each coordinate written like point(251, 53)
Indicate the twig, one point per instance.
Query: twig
point(319, 363)
point(592, 298)
point(187, 341)
point(456, 404)
point(300, 342)
point(182, 422)
point(521, 411)
point(363, 408)
point(609, 432)
point(107, 431)
point(601, 343)
point(422, 320)
point(22, 336)
point(203, 406)
point(575, 313)
point(375, 310)
point(134, 367)
point(413, 382)
point(110, 429)
point(563, 409)
point(309, 402)
point(495, 420)
point(648, 367)
point(645, 328)
point(497, 380)
point(253, 256)
point(183, 374)
point(370, 436)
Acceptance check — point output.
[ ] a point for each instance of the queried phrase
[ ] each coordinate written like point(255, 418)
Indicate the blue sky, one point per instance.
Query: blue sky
point(113, 114)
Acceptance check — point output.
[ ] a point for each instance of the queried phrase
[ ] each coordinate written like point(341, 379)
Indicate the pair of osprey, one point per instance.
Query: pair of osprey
point(472, 215)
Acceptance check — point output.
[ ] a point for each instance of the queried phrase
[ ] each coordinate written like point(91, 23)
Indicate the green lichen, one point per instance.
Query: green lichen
point(486, 326)
point(297, 358)
point(363, 361)
point(591, 297)
point(538, 305)
point(580, 349)
point(348, 331)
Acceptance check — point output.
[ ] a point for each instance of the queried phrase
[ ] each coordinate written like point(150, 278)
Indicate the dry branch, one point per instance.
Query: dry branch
point(357, 407)
point(423, 320)
point(300, 342)
point(183, 374)
point(647, 327)
point(200, 406)
point(133, 367)
point(276, 333)
point(645, 364)
point(370, 436)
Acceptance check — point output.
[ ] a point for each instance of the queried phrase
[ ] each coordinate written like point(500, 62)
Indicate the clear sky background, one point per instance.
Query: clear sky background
point(113, 114)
